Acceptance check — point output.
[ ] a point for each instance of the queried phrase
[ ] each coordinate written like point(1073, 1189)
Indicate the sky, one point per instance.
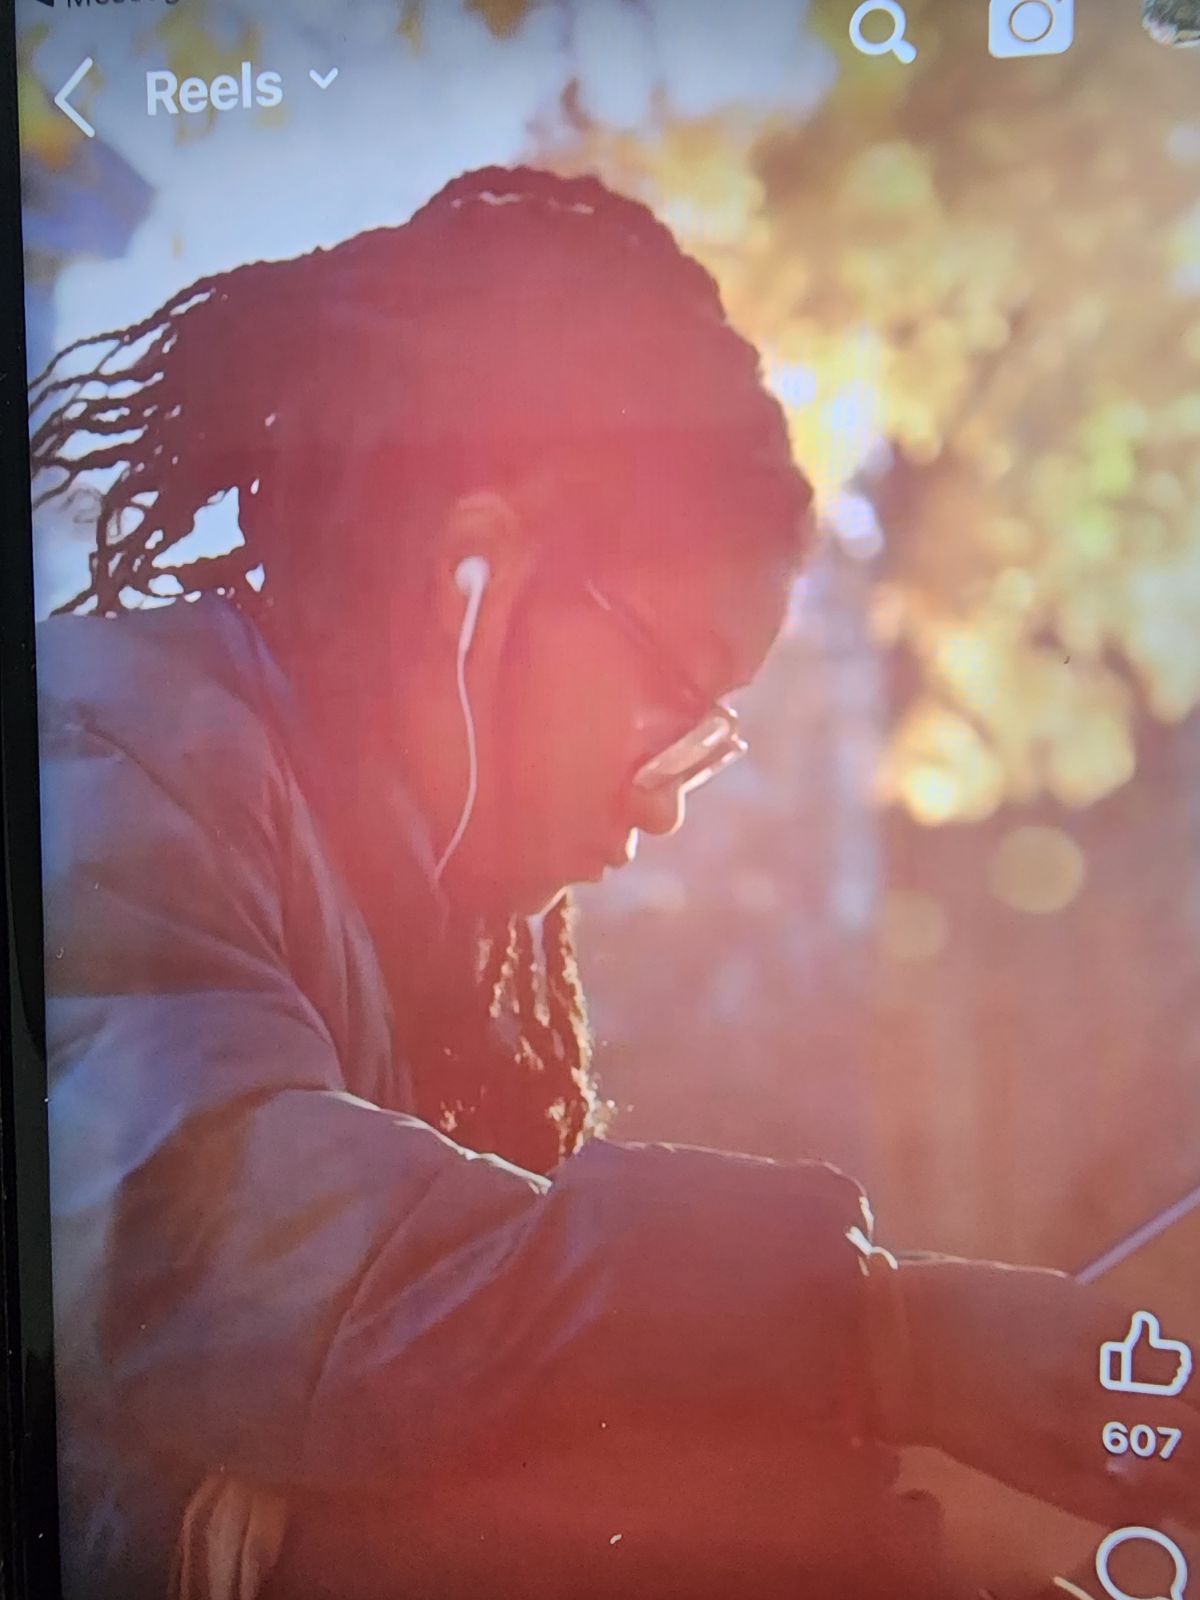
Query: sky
point(396, 124)
point(406, 113)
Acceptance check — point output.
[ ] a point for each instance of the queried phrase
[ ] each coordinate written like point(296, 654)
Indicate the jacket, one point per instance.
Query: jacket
point(265, 1263)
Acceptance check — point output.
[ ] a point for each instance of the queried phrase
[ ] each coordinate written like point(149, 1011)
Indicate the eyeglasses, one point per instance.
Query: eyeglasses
point(710, 745)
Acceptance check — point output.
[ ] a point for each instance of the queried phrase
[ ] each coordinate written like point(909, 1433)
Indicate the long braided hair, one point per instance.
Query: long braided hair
point(521, 326)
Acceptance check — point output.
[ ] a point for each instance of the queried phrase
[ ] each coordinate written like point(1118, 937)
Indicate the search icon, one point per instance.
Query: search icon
point(1141, 1536)
point(895, 44)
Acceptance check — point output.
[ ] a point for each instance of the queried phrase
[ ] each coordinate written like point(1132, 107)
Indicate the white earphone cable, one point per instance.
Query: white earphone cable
point(456, 838)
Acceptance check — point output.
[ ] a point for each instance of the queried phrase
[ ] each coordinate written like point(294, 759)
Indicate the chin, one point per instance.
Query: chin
point(526, 899)
point(539, 901)
point(533, 896)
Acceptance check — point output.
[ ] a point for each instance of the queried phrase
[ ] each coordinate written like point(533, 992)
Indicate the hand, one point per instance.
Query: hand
point(1007, 1380)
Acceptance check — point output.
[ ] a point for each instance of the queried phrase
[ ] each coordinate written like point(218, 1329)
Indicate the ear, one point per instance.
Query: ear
point(482, 523)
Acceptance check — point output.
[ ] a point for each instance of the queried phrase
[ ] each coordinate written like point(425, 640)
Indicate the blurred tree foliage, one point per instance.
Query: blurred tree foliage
point(975, 285)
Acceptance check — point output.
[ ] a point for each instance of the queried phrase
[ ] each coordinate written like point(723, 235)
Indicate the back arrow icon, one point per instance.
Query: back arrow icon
point(63, 102)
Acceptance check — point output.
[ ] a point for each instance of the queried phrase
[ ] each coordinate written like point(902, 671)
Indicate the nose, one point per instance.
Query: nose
point(658, 811)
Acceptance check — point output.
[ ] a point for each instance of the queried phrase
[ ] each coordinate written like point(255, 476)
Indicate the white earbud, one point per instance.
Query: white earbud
point(471, 577)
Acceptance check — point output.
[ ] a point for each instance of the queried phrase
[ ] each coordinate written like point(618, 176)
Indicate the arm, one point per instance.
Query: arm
point(342, 1296)
point(297, 1285)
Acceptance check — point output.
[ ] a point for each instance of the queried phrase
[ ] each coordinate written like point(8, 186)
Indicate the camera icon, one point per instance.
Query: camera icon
point(1030, 27)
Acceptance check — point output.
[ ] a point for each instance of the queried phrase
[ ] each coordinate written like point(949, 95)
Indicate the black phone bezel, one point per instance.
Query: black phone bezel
point(29, 1546)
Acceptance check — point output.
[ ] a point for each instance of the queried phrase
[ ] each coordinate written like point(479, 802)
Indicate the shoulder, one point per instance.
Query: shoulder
point(185, 694)
point(191, 682)
point(160, 741)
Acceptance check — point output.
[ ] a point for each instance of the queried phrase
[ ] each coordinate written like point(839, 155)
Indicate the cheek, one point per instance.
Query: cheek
point(572, 748)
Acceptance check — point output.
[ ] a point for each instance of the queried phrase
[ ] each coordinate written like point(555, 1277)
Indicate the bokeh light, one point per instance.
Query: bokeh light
point(1037, 870)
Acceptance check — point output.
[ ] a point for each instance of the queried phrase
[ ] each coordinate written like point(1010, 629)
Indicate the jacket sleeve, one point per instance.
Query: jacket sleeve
point(266, 1274)
point(341, 1296)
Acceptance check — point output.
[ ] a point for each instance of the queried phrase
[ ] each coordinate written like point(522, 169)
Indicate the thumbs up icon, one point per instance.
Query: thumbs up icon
point(1118, 1358)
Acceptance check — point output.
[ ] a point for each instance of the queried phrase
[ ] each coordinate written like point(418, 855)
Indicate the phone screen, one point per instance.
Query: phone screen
point(618, 648)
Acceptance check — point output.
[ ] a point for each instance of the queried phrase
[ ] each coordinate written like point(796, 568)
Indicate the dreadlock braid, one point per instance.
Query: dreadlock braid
point(547, 1095)
point(519, 326)
point(580, 1108)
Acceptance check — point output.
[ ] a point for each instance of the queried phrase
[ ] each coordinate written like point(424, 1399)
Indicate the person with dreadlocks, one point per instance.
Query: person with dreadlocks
point(353, 1297)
